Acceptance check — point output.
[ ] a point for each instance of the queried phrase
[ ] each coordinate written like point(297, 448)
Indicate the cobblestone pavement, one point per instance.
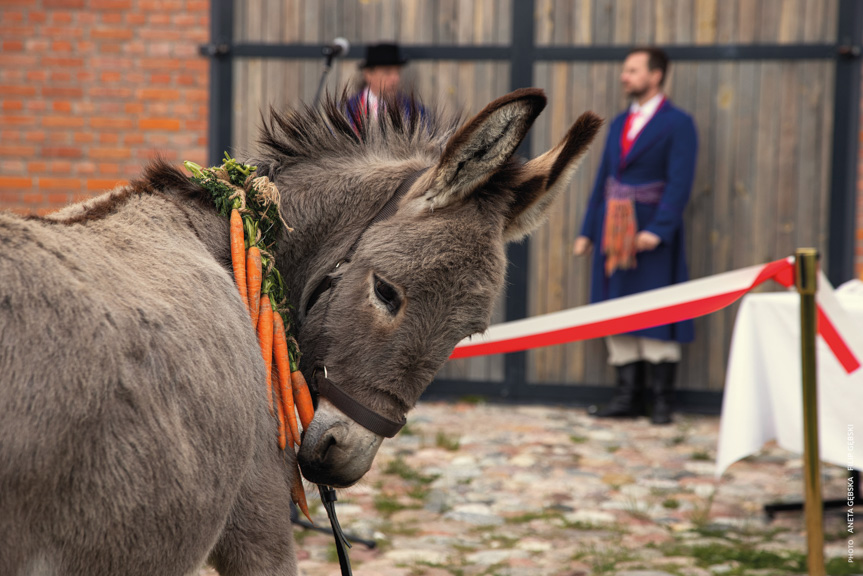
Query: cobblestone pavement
point(509, 490)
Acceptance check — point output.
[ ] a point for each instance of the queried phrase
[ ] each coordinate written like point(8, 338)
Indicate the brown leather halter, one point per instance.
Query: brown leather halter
point(350, 406)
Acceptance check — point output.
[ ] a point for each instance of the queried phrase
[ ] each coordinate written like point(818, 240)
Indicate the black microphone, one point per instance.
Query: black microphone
point(339, 47)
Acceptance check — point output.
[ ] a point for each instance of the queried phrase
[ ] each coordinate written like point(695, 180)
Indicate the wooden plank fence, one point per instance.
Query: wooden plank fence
point(765, 128)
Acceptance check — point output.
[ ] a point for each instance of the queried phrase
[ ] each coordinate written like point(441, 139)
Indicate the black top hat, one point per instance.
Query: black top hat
point(383, 55)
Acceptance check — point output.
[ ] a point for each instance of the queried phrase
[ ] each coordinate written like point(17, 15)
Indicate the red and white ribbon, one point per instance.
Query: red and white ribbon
point(661, 306)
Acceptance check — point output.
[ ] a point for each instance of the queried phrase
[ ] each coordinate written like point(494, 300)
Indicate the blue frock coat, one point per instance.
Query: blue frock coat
point(665, 150)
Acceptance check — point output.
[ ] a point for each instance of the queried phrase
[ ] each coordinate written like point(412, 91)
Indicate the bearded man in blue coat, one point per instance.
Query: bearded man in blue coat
point(634, 220)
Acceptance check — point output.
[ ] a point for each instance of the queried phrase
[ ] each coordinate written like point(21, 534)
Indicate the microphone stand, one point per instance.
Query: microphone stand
point(330, 54)
point(295, 519)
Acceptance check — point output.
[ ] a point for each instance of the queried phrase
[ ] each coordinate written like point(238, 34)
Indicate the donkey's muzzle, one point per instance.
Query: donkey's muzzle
point(322, 461)
point(336, 451)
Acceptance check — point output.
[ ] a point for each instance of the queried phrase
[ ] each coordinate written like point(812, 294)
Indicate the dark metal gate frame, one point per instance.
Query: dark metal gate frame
point(523, 54)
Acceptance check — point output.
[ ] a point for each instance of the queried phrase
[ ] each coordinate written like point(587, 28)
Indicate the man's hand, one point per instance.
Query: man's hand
point(645, 241)
point(582, 246)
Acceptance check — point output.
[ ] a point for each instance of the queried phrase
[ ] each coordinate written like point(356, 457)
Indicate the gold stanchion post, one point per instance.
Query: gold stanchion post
point(806, 275)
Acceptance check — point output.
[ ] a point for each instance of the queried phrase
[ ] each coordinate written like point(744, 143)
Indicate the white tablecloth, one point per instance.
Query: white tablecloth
point(763, 390)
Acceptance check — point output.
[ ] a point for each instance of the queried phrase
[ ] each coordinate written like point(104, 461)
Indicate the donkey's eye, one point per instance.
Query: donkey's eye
point(388, 295)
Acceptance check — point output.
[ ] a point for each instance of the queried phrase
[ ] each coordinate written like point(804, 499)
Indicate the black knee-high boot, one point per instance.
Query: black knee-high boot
point(662, 384)
point(628, 400)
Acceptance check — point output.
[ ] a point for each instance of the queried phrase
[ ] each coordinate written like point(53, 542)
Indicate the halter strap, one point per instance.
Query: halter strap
point(350, 406)
point(359, 413)
point(387, 211)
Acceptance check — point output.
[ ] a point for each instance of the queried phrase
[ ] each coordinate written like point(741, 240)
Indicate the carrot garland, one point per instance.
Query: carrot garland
point(283, 364)
point(280, 413)
point(254, 278)
point(252, 205)
point(238, 254)
point(298, 495)
point(265, 339)
point(302, 398)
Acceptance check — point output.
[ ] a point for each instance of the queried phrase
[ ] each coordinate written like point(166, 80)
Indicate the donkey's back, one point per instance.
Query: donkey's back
point(128, 418)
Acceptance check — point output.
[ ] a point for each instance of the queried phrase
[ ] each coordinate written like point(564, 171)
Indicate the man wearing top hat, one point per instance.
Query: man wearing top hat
point(381, 69)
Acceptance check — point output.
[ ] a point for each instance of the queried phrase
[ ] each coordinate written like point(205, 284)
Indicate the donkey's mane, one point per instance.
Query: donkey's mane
point(159, 179)
point(401, 127)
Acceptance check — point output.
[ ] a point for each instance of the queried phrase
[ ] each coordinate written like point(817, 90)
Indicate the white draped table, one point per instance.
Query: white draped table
point(763, 391)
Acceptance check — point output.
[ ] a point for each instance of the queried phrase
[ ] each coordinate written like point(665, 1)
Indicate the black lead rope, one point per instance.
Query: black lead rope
point(346, 403)
point(328, 499)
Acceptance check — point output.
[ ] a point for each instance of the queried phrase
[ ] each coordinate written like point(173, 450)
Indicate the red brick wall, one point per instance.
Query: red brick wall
point(91, 89)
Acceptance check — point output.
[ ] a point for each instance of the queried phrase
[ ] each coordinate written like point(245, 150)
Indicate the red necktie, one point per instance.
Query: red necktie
point(625, 140)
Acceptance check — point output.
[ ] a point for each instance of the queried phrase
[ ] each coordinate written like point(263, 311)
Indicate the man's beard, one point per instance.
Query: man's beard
point(637, 93)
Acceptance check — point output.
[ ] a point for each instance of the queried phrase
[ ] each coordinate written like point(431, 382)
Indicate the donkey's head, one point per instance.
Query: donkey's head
point(410, 286)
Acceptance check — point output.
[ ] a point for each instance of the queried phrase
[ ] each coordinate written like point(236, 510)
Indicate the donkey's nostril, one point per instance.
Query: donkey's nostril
point(327, 442)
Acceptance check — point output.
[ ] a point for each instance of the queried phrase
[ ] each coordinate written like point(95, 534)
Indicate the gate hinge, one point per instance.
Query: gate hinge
point(214, 50)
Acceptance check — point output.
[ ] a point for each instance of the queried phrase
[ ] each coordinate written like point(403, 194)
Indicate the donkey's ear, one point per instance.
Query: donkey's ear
point(543, 178)
point(482, 146)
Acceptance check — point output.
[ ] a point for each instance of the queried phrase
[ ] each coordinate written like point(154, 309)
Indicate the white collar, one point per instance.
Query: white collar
point(648, 109)
point(371, 99)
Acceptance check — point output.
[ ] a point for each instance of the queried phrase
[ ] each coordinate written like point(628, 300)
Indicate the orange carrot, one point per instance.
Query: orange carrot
point(283, 363)
point(283, 440)
point(253, 279)
point(238, 255)
point(265, 339)
point(298, 494)
point(302, 398)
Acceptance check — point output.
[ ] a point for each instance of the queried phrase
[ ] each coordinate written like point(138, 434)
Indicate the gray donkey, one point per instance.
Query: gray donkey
point(135, 437)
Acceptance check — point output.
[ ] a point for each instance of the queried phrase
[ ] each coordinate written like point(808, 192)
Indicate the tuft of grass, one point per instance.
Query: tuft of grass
point(713, 531)
point(700, 513)
point(676, 440)
point(840, 566)
point(501, 541)
point(388, 505)
point(582, 525)
point(403, 530)
point(447, 442)
point(748, 557)
point(578, 439)
point(419, 492)
point(332, 554)
point(463, 548)
point(637, 509)
point(602, 560)
point(398, 467)
point(671, 503)
point(701, 455)
point(408, 430)
point(683, 430)
point(300, 536)
point(611, 449)
point(472, 399)
point(531, 516)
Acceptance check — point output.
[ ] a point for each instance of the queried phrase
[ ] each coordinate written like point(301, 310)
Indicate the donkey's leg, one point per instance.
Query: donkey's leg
point(258, 538)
